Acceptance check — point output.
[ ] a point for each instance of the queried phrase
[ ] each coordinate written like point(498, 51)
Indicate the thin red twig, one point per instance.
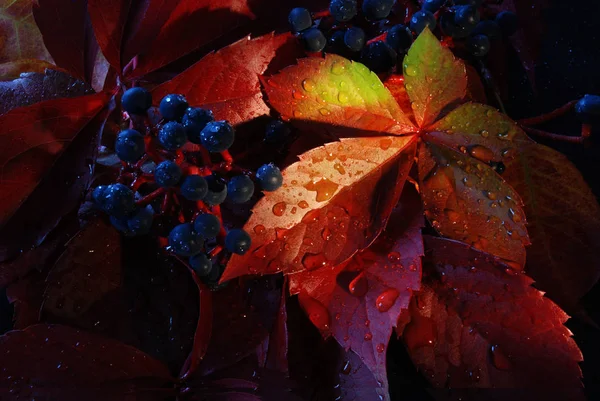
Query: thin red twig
point(556, 137)
point(548, 116)
point(378, 38)
point(150, 197)
point(321, 14)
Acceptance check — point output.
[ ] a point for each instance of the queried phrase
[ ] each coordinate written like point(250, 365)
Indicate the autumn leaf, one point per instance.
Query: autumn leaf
point(335, 201)
point(433, 77)
point(13, 69)
point(482, 325)
point(336, 91)
point(108, 19)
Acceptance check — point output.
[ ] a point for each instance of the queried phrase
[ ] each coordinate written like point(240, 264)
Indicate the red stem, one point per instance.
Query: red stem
point(556, 137)
point(215, 251)
point(150, 197)
point(216, 210)
point(321, 14)
point(548, 116)
point(378, 38)
point(151, 150)
point(166, 202)
point(395, 79)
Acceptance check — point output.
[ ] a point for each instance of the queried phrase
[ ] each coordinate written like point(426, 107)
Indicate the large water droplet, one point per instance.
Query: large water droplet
point(324, 112)
point(314, 261)
point(359, 285)
point(394, 257)
point(380, 348)
point(308, 85)
point(279, 209)
point(259, 229)
point(338, 68)
point(386, 299)
point(484, 133)
point(410, 70)
point(324, 187)
point(481, 153)
point(339, 168)
point(385, 143)
point(303, 204)
point(368, 337)
point(343, 98)
point(514, 215)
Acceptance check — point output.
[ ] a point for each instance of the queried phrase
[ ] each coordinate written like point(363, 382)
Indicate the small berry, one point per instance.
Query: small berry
point(201, 264)
point(207, 225)
point(237, 241)
point(450, 28)
point(588, 109)
point(466, 16)
point(432, 5)
point(336, 44)
point(217, 136)
point(194, 187)
point(167, 174)
point(277, 132)
point(136, 101)
point(422, 19)
point(139, 223)
point(478, 45)
point(299, 19)
point(508, 22)
point(489, 28)
point(194, 120)
point(355, 39)
point(184, 241)
point(343, 10)
point(172, 136)
point(269, 176)
point(212, 280)
point(117, 200)
point(130, 146)
point(98, 194)
point(240, 189)
point(379, 57)
point(217, 191)
point(399, 38)
point(313, 40)
point(377, 9)
point(172, 107)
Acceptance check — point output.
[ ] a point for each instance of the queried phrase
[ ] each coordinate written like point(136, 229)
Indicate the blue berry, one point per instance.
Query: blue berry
point(207, 225)
point(379, 57)
point(130, 146)
point(432, 5)
point(201, 264)
point(399, 38)
point(194, 187)
point(299, 19)
point(194, 120)
point(238, 241)
point(217, 136)
point(478, 45)
point(240, 189)
point(269, 176)
point(98, 194)
point(217, 191)
point(117, 200)
point(450, 28)
point(184, 241)
point(422, 19)
point(172, 107)
point(277, 132)
point(172, 136)
point(355, 39)
point(588, 109)
point(489, 28)
point(508, 22)
point(136, 101)
point(466, 16)
point(167, 174)
point(343, 10)
point(313, 40)
point(139, 223)
point(377, 9)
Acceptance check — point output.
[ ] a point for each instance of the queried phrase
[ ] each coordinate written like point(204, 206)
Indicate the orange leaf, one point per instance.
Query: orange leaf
point(13, 69)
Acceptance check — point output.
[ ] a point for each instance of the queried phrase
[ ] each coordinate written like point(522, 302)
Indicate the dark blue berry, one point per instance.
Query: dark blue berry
point(207, 225)
point(478, 45)
point(130, 146)
point(172, 136)
point(343, 10)
point(588, 109)
point(489, 28)
point(399, 38)
point(139, 223)
point(172, 107)
point(194, 120)
point(422, 19)
point(238, 241)
point(117, 200)
point(184, 241)
point(336, 44)
point(167, 174)
point(313, 40)
point(217, 191)
point(136, 101)
point(201, 264)
point(450, 28)
point(98, 194)
point(299, 19)
point(217, 136)
point(240, 189)
point(355, 39)
point(466, 16)
point(194, 187)
point(508, 22)
point(474, 3)
point(432, 5)
point(377, 9)
point(269, 176)
point(277, 132)
point(379, 57)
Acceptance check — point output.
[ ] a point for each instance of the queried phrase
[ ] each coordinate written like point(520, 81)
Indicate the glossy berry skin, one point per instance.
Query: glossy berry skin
point(355, 39)
point(478, 45)
point(217, 136)
point(217, 191)
point(194, 120)
point(377, 9)
point(432, 5)
point(184, 241)
point(117, 200)
point(139, 223)
point(98, 194)
point(450, 28)
point(238, 241)
point(207, 225)
point(379, 57)
point(299, 19)
point(466, 16)
point(167, 174)
point(172, 136)
point(240, 189)
point(422, 19)
point(201, 264)
point(587, 109)
point(508, 22)
point(172, 107)
point(269, 176)
point(277, 132)
point(489, 28)
point(130, 146)
point(136, 101)
point(343, 10)
point(194, 187)
point(399, 38)
point(313, 40)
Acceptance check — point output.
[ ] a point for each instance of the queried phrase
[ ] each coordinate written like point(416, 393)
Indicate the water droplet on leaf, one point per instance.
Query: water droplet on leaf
point(386, 299)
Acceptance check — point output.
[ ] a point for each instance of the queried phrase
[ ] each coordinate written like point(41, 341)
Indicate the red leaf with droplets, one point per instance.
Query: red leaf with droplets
point(465, 199)
point(45, 163)
point(335, 201)
point(226, 81)
point(108, 20)
point(482, 325)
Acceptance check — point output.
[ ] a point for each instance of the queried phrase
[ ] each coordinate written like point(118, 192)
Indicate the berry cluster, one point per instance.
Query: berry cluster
point(172, 188)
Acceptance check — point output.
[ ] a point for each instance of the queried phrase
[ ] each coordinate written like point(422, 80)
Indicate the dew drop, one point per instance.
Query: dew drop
point(481, 153)
point(338, 68)
point(394, 257)
point(499, 360)
point(359, 285)
point(408, 87)
point(324, 112)
point(259, 229)
point(342, 97)
point(308, 85)
point(368, 337)
point(484, 133)
point(467, 182)
point(298, 114)
point(385, 143)
point(339, 168)
point(324, 188)
point(410, 70)
point(386, 299)
point(491, 195)
point(279, 209)
point(380, 348)
point(313, 261)
point(514, 216)
point(489, 113)
point(303, 204)
point(298, 95)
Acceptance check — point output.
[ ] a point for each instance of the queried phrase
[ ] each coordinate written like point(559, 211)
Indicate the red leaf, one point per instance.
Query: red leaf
point(481, 325)
point(210, 20)
point(45, 162)
point(226, 81)
point(108, 20)
point(277, 353)
point(26, 296)
point(335, 201)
